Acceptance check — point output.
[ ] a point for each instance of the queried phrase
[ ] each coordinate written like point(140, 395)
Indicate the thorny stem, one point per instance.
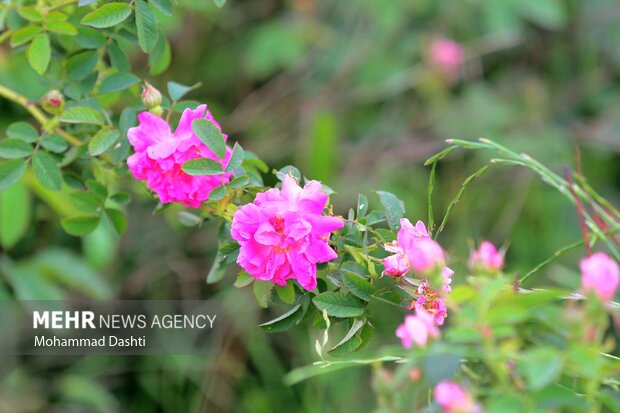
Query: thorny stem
point(36, 113)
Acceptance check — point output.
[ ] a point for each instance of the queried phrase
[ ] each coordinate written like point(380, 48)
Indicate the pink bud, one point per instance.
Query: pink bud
point(454, 399)
point(600, 274)
point(151, 98)
point(486, 258)
point(425, 255)
point(447, 55)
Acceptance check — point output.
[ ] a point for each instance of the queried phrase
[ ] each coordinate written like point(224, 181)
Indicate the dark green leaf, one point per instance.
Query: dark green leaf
point(217, 193)
point(146, 25)
point(288, 170)
point(339, 305)
point(243, 279)
point(236, 159)
point(118, 220)
point(202, 166)
point(102, 141)
point(54, 143)
point(10, 172)
point(286, 293)
point(394, 209)
point(262, 292)
point(107, 15)
point(350, 342)
point(89, 38)
point(46, 170)
point(285, 321)
point(118, 58)
point(116, 82)
point(14, 148)
point(80, 66)
point(210, 135)
point(160, 57)
point(358, 286)
point(188, 219)
point(85, 201)
point(177, 90)
point(14, 214)
point(80, 226)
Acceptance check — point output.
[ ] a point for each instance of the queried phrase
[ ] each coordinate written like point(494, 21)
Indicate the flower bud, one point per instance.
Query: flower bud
point(53, 102)
point(151, 99)
point(600, 274)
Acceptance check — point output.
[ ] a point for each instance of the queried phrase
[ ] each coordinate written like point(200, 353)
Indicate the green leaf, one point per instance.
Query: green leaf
point(118, 57)
point(23, 131)
point(62, 28)
point(350, 342)
point(146, 25)
point(394, 209)
point(219, 3)
point(14, 214)
point(46, 170)
point(116, 82)
point(80, 226)
point(40, 53)
point(339, 305)
point(540, 366)
point(163, 6)
point(243, 279)
point(160, 57)
point(80, 66)
point(289, 170)
point(188, 219)
point(239, 182)
point(102, 141)
point(30, 14)
point(14, 148)
point(438, 367)
point(85, 201)
point(10, 172)
point(218, 269)
point(262, 292)
point(89, 38)
point(358, 286)
point(177, 90)
point(86, 2)
point(210, 135)
point(118, 220)
point(107, 15)
point(217, 193)
point(54, 143)
point(236, 159)
point(202, 166)
point(285, 321)
point(81, 114)
point(24, 35)
point(286, 293)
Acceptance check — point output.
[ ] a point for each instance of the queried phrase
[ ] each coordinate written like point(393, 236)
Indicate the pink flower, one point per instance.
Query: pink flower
point(447, 55)
point(283, 233)
point(425, 255)
point(447, 273)
point(486, 258)
point(454, 399)
point(430, 301)
point(160, 154)
point(396, 264)
point(600, 274)
point(417, 329)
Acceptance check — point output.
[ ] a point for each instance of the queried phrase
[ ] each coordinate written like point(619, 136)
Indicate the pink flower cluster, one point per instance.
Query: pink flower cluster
point(160, 154)
point(415, 250)
point(283, 234)
point(454, 399)
point(600, 274)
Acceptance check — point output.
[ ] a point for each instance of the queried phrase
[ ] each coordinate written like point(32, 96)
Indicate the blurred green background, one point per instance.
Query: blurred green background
point(344, 91)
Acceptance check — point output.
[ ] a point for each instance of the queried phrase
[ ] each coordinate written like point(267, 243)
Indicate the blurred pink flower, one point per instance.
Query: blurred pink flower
point(486, 258)
point(160, 154)
point(283, 233)
point(417, 329)
point(425, 255)
point(454, 399)
point(447, 55)
point(447, 273)
point(396, 264)
point(600, 274)
point(431, 302)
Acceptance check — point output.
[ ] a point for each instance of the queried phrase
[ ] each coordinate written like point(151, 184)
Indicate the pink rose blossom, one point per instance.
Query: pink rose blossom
point(447, 273)
point(283, 233)
point(487, 258)
point(417, 329)
point(600, 274)
point(454, 399)
point(425, 255)
point(396, 264)
point(447, 55)
point(160, 155)
point(431, 302)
